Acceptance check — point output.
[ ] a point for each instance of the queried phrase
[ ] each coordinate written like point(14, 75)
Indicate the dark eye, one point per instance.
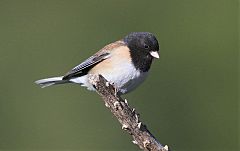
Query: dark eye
point(146, 46)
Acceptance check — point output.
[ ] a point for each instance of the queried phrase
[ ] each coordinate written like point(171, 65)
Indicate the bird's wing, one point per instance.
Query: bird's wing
point(85, 66)
point(89, 63)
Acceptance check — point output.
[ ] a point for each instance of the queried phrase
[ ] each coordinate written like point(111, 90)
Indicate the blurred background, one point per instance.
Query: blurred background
point(189, 101)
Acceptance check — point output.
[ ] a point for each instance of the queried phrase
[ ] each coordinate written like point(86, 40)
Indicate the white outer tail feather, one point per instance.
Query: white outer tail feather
point(50, 81)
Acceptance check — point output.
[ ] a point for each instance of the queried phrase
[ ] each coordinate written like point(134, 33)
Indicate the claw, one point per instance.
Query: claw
point(115, 88)
point(107, 84)
point(117, 105)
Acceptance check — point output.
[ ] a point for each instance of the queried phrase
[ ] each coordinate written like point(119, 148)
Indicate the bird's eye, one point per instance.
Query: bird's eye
point(146, 46)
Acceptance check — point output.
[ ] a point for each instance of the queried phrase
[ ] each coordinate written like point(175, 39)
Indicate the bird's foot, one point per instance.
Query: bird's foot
point(116, 89)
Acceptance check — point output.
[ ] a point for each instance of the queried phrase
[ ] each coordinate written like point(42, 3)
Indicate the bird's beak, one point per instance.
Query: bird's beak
point(154, 54)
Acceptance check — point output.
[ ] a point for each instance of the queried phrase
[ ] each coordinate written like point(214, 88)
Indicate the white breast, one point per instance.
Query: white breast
point(125, 78)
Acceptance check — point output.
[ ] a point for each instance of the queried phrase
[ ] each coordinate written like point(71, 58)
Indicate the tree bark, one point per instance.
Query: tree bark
point(127, 116)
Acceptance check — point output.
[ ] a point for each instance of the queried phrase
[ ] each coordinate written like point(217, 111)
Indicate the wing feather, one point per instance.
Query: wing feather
point(84, 67)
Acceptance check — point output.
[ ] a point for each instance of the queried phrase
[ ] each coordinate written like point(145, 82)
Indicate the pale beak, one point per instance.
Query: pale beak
point(154, 54)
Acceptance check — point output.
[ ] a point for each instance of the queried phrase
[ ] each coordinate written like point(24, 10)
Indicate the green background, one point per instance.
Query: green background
point(189, 100)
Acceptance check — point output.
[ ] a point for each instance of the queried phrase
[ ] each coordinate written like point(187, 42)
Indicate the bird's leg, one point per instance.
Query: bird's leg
point(116, 89)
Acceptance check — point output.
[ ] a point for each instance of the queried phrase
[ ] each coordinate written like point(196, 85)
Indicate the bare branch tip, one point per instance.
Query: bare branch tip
point(166, 147)
point(124, 113)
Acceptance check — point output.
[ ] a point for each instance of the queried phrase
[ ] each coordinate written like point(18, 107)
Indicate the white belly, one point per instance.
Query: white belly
point(125, 78)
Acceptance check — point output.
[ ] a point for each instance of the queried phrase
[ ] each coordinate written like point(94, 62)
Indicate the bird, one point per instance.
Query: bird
point(124, 63)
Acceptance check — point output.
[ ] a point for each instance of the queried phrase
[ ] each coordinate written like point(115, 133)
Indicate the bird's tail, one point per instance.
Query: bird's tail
point(50, 81)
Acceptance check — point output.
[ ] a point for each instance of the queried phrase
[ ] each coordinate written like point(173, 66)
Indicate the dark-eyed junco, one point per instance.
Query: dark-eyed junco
point(125, 63)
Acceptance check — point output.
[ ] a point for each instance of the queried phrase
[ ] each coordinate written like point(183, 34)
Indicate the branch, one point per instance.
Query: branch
point(127, 116)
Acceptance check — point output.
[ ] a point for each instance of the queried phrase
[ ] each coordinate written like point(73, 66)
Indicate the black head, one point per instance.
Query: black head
point(143, 48)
